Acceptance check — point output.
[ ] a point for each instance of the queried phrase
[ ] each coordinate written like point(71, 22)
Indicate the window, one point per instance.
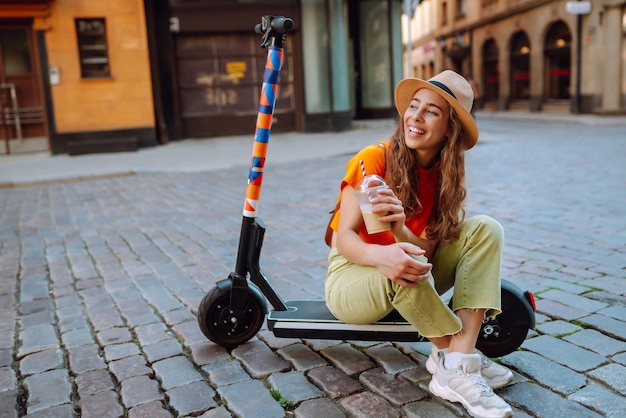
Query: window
point(15, 47)
point(461, 8)
point(92, 48)
point(315, 57)
point(376, 69)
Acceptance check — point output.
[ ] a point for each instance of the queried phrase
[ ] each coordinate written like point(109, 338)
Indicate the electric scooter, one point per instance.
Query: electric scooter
point(234, 310)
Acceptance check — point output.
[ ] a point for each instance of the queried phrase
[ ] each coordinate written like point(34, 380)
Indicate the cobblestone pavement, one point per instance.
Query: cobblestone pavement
point(101, 279)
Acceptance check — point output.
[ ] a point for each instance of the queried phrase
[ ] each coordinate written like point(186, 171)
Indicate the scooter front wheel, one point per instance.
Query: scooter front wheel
point(218, 323)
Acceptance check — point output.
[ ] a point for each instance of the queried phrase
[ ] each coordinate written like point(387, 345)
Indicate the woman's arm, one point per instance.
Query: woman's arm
point(392, 210)
point(392, 260)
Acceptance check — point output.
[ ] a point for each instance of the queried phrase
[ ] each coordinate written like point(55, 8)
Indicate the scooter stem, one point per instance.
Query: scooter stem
point(273, 30)
point(265, 116)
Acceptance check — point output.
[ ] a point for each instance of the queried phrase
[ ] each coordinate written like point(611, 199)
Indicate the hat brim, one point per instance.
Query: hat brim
point(405, 90)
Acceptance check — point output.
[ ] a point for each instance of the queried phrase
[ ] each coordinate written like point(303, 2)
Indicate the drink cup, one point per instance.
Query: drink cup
point(372, 223)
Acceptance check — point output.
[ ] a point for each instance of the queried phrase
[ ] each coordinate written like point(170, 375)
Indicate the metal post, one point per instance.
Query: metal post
point(409, 46)
point(16, 112)
point(5, 120)
point(579, 39)
point(7, 113)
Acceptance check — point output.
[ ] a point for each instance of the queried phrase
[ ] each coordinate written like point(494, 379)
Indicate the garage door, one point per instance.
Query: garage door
point(219, 82)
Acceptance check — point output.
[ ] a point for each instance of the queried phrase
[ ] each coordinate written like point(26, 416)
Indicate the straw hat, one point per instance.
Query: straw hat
point(451, 86)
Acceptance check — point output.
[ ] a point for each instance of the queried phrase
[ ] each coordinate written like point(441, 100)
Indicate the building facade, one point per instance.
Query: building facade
point(92, 76)
point(342, 61)
point(75, 76)
point(534, 55)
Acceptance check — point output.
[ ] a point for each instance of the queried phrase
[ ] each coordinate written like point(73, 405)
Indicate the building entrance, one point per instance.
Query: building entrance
point(558, 59)
point(374, 37)
point(22, 123)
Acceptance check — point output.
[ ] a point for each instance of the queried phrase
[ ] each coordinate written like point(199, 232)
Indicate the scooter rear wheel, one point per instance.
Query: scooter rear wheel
point(506, 332)
point(508, 340)
point(216, 320)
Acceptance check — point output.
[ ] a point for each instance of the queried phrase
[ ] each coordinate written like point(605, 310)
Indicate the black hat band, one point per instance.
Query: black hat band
point(442, 87)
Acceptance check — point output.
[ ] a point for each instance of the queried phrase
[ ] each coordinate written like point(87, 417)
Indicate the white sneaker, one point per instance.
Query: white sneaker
point(466, 385)
point(495, 374)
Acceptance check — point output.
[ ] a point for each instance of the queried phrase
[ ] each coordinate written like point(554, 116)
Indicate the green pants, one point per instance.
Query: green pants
point(357, 294)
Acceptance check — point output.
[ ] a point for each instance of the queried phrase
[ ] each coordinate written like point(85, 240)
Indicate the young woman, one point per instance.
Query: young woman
point(431, 246)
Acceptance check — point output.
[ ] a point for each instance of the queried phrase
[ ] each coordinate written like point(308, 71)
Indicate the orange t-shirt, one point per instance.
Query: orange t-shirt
point(374, 161)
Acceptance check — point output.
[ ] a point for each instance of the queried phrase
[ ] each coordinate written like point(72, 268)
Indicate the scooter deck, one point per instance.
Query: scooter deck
point(312, 319)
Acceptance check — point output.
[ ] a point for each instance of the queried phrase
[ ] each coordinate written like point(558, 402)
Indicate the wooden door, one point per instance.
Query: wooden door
point(22, 111)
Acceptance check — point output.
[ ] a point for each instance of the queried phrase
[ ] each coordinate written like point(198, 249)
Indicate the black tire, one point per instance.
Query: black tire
point(506, 332)
point(507, 341)
point(214, 318)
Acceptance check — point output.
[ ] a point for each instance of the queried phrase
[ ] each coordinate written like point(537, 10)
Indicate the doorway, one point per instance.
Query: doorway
point(558, 62)
point(22, 122)
point(373, 33)
point(491, 74)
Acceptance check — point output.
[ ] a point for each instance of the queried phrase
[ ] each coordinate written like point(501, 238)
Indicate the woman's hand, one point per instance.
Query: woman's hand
point(391, 210)
point(396, 264)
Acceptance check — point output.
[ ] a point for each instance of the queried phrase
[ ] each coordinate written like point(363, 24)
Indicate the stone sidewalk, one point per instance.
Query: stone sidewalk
point(101, 280)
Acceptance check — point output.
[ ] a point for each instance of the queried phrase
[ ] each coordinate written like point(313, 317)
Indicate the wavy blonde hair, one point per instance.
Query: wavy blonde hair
point(402, 175)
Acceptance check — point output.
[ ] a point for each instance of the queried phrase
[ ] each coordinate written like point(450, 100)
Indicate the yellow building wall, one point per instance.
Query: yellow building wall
point(122, 101)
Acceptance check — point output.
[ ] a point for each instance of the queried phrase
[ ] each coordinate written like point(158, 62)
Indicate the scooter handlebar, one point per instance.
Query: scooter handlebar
point(282, 24)
point(279, 24)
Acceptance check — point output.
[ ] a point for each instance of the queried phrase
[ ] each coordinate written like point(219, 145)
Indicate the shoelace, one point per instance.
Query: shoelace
point(484, 362)
point(478, 380)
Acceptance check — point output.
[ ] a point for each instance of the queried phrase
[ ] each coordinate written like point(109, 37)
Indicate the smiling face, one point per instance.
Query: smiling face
point(426, 125)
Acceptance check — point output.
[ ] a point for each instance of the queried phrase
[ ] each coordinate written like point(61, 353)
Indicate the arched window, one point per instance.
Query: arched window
point(491, 73)
point(520, 66)
point(557, 50)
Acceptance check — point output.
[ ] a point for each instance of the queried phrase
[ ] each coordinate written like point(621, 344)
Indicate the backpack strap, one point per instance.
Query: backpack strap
point(328, 237)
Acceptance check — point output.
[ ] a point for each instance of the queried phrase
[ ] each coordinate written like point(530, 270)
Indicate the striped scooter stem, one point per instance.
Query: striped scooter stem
point(263, 128)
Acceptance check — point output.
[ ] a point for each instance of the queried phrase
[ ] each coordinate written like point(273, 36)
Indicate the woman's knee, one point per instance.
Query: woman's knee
point(485, 226)
point(420, 258)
